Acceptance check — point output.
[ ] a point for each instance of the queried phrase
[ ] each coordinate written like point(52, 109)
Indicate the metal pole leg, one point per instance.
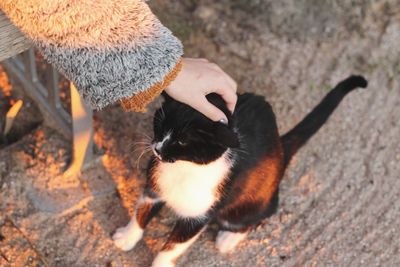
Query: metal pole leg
point(82, 125)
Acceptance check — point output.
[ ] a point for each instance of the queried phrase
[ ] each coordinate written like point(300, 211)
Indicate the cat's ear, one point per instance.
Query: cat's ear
point(225, 136)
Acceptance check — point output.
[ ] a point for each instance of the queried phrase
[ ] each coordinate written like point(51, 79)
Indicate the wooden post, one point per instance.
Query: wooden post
point(82, 127)
point(13, 42)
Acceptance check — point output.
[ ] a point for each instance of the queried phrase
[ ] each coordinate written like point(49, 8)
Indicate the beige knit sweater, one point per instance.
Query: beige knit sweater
point(113, 50)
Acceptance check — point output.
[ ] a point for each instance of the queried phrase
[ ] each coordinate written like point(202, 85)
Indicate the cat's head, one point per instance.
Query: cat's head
point(182, 133)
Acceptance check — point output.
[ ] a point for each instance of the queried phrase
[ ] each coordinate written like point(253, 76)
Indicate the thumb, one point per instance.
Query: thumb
point(210, 111)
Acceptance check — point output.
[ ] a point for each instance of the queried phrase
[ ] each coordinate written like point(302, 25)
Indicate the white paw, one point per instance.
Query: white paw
point(226, 241)
point(125, 238)
point(161, 261)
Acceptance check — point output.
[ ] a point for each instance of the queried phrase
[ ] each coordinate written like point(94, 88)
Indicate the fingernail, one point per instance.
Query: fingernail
point(223, 121)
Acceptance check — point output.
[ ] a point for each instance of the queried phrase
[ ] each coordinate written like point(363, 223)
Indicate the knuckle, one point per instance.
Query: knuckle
point(233, 98)
point(215, 66)
point(217, 76)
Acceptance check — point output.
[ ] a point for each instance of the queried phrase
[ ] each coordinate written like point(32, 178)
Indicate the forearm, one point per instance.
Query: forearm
point(111, 50)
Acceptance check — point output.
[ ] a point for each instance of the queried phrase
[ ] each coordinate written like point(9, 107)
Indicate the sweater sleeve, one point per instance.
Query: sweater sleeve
point(113, 50)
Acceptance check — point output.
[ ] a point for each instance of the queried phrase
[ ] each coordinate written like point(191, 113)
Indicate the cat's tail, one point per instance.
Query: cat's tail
point(299, 135)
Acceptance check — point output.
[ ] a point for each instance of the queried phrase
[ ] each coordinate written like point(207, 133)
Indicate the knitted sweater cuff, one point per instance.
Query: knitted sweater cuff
point(138, 102)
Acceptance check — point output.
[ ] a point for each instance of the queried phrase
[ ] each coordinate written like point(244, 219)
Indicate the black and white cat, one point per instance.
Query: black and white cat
point(210, 172)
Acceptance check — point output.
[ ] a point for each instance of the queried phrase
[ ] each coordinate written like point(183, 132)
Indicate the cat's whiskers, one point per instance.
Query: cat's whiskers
point(146, 150)
point(138, 145)
point(146, 137)
point(145, 140)
point(141, 149)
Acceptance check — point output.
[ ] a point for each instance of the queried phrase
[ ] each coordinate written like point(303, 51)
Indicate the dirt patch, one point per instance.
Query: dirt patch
point(27, 120)
point(339, 199)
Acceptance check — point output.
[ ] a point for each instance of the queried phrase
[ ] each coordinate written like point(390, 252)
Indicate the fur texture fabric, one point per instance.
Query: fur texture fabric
point(111, 50)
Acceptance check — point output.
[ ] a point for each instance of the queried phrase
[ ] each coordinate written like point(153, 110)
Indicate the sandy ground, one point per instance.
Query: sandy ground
point(340, 196)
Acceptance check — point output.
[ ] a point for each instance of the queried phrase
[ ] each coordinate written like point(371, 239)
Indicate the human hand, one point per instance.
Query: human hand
point(198, 78)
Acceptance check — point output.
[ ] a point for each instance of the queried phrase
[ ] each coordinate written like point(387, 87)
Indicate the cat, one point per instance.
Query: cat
point(208, 171)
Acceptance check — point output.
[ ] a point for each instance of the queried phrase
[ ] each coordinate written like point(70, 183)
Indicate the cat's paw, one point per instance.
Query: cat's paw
point(125, 238)
point(226, 241)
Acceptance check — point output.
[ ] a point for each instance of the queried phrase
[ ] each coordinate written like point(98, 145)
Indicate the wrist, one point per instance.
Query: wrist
point(139, 102)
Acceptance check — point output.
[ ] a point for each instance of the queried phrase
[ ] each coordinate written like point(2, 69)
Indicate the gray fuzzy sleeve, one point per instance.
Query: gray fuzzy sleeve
point(104, 77)
point(111, 50)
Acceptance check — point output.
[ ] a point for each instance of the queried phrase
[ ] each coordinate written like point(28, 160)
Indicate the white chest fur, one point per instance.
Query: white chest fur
point(191, 189)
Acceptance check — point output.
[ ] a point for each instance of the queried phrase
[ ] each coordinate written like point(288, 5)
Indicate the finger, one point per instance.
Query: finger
point(209, 110)
point(229, 97)
point(232, 82)
point(228, 79)
point(226, 76)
